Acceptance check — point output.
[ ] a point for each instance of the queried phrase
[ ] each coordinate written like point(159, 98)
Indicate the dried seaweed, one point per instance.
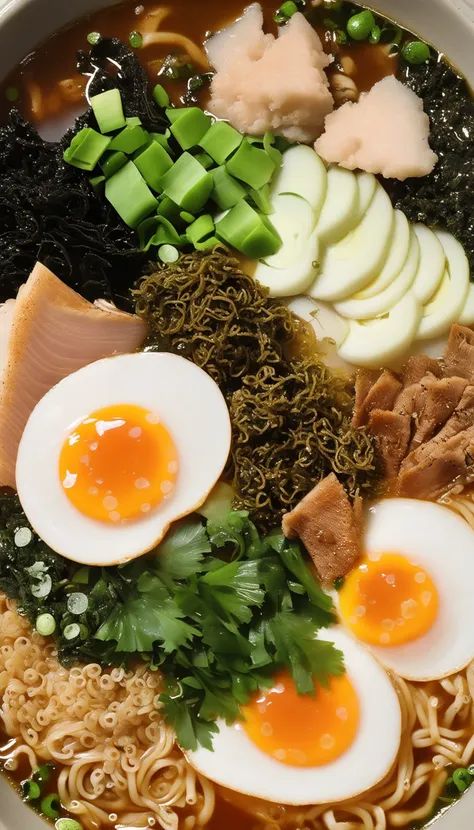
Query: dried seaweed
point(444, 197)
point(291, 417)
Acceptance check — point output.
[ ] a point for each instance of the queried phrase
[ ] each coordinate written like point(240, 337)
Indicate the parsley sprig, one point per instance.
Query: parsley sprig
point(217, 608)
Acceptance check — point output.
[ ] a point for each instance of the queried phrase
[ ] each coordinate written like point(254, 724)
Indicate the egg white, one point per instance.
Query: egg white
point(191, 407)
point(237, 763)
point(438, 540)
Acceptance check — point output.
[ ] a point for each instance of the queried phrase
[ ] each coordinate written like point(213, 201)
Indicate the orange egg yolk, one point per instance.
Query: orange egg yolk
point(118, 463)
point(300, 730)
point(388, 600)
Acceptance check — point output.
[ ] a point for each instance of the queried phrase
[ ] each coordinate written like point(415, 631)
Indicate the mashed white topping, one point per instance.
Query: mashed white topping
point(266, 83)
point(385, 132)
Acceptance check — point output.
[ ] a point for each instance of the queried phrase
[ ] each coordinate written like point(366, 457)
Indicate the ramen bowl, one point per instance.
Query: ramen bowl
point(25, 24)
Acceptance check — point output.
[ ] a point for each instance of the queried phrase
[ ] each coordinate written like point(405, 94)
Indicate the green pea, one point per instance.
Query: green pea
point(360, 25)
point(93, 38)
point(135, 39)
point(374, 36)
point(416, 52)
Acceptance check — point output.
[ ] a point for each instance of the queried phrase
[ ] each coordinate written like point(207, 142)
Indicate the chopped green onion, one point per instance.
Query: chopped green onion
point(67, 824)
point(286, 10)
point(51, 805)
point(157, 230)
point(226, 191)
point(12, 93)
point(94, 38)
point(200, 229)
point(375, 35)
point(279, 17)
point(471, 770)
point(98, 185)
point(188, 184)
point(360, 25)
point(416, 52)
point(42, 588)
point(205, 160)
point(190, 127)
point(248, 231)
point(262, 199)
point(86, 148)
point(170, 210)
point(135, 40)
point(45, 625)
point(153, 162)
point(77, 603)
point(131, 138)
point(30, 790)
point(339, 582)
point(71, 631)
point(173, 113)
point(220, 141)
point(111, 162)
point(251, 165)
point(462, 779)
point(130, 195)
point(168, 253)
point(341, 37)
point(271, 150)
point(160, 96)
point(23, 537)
point(162, 139)
point(196, 83)
point(43, 773)
point(187, 217)
point(108, 110)
point(81, 577)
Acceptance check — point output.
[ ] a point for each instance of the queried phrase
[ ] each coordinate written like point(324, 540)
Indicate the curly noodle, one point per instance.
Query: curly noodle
point(291, 416)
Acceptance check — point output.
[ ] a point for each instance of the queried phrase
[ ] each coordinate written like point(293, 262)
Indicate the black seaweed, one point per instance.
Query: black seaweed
point(445, 197)
point(48, 210)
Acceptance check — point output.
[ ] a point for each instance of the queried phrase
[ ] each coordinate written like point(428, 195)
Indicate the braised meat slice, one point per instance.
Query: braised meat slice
point(434, 405)
point(459, 355)
point(379, 395)
point(418, 367)
point(392, 434)
point(450, 462)
point(329, 527)
point(461, 419)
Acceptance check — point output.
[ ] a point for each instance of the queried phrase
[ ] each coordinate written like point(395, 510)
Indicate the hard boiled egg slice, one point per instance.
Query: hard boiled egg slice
point(408, 599)
point(296, 749)
point(117, 451)
point(397, 257)
point(381, 342)
point(431, 266)
point(367, 186)
point(339, 212)
point(446, 305)
point(296, 277)
point(466, 318)
point(351, 264)
point(364, 308)
point(302, 173)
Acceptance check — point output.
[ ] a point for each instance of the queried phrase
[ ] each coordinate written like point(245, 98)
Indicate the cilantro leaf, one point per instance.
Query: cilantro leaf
point(293, 560)
point(181, 554)
point(234, 589)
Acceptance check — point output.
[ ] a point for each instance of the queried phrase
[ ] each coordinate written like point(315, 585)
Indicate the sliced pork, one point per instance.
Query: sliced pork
point(47, 333)
point(379, 395)
point(329, 527)
point(266, 83)
point(392, 434)
point(418, 366)
point(385, 132)
point(449, 462)
point(459, 355)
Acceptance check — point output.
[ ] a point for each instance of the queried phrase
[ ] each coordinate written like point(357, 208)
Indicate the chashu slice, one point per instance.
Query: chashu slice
point(47, 333)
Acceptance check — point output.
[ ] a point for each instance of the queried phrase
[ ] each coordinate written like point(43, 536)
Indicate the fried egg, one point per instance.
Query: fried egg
point(117, 451)
point(407, 599)
point(297, 749)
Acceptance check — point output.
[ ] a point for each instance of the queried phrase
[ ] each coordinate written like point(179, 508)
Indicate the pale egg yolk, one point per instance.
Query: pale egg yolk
point(118, 463)
point(300, 730)
point(388, 600)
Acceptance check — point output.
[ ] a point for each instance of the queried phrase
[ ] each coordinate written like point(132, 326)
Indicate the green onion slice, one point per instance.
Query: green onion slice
point(45, 625)
point(30, 790)
point(86, 148)
point(188, 184)
point(251, 165)
point(220, 141)
point(108, 110)
point(129, 194)
point(77, 603)
point(51, 805)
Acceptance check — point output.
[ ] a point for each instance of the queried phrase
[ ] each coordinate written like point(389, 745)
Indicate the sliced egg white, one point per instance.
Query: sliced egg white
point(294, 220)
point(188, 403)
point(237, 763)
point(442, 543)
point(367, 184)
point(466, 318)
point(351, 264)
point(446, 305)
point(297, 276)
point(302, 173)
point(380, 342)
point(431, 266)
point(397, 257)
point(339, 213)
point(364, 309)
point(327, 323)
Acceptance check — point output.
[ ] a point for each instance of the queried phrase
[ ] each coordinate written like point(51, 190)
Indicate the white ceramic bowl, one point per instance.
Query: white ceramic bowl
point(24, 24)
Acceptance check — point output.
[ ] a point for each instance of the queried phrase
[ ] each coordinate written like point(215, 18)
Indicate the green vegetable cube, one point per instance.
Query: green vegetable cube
point(111, 162)
point(129, 194)
point(248, 231)
point(108, 110)
point(187, 183)
point(160, 96)
point(130, 139)
point(251, 165)
point(189, 128)
point(227, 191)
point(153, 163)
point(163, 140)
point(220, 141)
point(86, 148)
